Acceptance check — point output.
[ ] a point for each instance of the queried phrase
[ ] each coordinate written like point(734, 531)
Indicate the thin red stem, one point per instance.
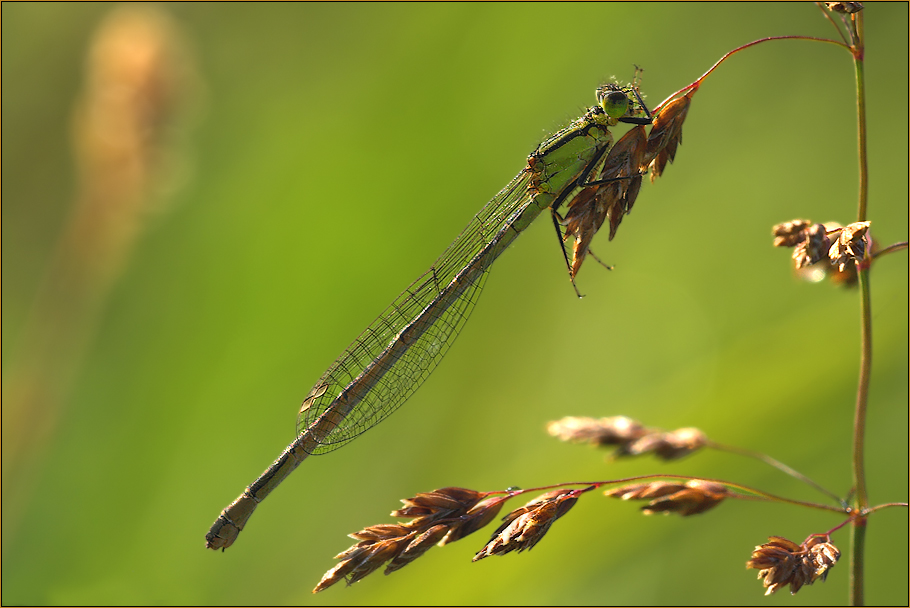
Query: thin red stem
point(890, 249)
point(701, 78)
point(758, 494)
point(827, 15)
point(884, 506)
point(777, 465)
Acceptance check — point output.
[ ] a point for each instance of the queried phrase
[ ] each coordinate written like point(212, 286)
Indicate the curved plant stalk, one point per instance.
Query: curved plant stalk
point(861, 501)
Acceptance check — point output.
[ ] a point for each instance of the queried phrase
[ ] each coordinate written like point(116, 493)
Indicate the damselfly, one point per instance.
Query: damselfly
point(579, 168)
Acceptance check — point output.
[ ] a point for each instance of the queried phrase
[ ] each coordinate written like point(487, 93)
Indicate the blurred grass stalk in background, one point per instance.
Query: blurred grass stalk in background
point(124, 130)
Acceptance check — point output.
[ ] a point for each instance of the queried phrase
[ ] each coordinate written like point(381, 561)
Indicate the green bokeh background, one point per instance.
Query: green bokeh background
point(338, 150)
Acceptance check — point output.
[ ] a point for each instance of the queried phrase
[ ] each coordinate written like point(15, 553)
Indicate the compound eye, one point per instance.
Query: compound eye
point(615, 104)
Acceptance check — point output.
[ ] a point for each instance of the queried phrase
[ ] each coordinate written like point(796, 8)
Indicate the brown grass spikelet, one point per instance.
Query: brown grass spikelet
point(440, 516)
point(588, 210)
point(850, 245)
point(667, 446)
point(782, 562)
point(689, 498)
point(790, 234)
point(666, 135)
point(597, 431)
point(777, 562)
point(378, 544)
point(844, 7)
point(417, 547)
point(813, 248)
point(430, 507)
point(524, 527)
point(633, 438)
point(380, 532)
point(476, 518)
point(624, 160)
point(822, 556)
point(809, 238)
point(813, 244)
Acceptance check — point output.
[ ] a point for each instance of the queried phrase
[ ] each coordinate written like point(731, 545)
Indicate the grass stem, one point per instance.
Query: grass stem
point(861, 501)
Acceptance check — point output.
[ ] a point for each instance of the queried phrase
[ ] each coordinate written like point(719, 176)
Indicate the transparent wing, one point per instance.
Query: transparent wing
point(365, 359)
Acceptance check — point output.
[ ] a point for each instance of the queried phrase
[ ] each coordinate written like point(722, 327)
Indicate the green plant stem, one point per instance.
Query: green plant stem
point(857, 549)
point(858, 529)
point(767, 496)
point(862, 393)
point(777, 465)
point(861, 126)
point(886, 505)
point(891, 249)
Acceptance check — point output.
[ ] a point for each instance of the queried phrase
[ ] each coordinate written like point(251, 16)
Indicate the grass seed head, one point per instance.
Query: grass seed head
point(822, 556)
point(417, 547)
point(524, 527)
point(588, 210)
point(630, 435)
point(782, 562)
point(376, 555)
point(844, 7)
point(813, 244)
point(642, 491)
point(435, 515)
point(476, 518)
point(667, 446)
point(602, 431)
point(379, 546)
point(790, 234)
point(689, 498)
point(430, 507)
point(850, 245)
point(696, 497)
point(380, 532)
point(666, 135)
point(813, 248)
